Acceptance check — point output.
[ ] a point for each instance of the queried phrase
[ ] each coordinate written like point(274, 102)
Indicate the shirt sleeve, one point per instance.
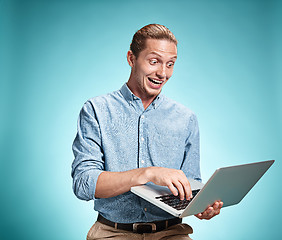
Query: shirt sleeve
point(88, 161)
point(191, 162)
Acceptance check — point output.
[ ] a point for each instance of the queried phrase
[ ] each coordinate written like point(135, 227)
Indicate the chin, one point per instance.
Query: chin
point(153, 93)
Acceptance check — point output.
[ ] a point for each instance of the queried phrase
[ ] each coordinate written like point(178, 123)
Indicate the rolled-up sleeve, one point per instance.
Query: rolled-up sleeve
point(88, 154)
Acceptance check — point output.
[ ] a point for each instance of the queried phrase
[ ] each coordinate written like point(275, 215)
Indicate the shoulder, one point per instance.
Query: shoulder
point(103, 101)
point(181, 116)
point(177, 107)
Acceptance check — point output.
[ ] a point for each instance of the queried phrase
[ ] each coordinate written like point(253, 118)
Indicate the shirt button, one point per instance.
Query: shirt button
point(142, 139)
point(142, 116)
point(142, 161)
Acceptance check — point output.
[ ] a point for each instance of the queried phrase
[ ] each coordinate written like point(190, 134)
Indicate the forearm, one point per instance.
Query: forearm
point(111, 184)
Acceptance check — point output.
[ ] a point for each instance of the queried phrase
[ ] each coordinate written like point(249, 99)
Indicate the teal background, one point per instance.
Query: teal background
point(56, 54)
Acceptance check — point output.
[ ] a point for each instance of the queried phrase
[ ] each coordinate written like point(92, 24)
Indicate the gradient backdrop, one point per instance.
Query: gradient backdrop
point(57, 54)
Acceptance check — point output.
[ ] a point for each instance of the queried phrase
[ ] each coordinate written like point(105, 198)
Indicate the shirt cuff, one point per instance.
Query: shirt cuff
point(85, 185)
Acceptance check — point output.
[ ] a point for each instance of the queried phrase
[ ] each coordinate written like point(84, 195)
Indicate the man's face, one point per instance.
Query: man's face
point(153, 67)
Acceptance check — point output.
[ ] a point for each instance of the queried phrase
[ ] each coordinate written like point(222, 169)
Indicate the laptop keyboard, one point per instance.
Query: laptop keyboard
point(175, 202)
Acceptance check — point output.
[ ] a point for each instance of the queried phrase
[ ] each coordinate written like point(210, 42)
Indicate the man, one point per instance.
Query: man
point(134, 136)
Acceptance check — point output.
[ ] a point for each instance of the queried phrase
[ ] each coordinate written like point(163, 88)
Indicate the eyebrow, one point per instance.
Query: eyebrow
point(155, 53)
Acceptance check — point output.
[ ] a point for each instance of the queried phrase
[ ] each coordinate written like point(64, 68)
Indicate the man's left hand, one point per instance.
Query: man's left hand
point(211, 211)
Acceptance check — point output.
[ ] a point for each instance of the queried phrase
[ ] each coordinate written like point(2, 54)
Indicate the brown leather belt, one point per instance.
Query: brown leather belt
point(149, 227)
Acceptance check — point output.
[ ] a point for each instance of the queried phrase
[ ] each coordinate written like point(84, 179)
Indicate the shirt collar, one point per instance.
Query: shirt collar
point(157, 101)
point(129, 96)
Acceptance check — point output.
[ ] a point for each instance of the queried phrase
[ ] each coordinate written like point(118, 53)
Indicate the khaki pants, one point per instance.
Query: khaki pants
point(176, 232)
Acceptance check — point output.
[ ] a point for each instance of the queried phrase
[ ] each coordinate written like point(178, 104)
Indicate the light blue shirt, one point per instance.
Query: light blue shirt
point(115, 133)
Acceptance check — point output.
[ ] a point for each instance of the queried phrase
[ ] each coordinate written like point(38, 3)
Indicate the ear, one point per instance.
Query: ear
point(130, 58)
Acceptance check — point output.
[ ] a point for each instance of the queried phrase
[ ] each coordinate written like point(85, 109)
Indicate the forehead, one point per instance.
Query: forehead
point(162, 47)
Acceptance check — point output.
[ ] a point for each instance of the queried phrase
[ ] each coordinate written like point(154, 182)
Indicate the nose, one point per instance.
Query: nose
point(161, 72)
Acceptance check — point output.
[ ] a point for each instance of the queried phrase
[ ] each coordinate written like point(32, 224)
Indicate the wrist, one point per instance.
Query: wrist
point(141, 176)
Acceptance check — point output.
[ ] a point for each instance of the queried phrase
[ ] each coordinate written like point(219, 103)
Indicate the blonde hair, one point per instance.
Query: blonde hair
point(151, 31)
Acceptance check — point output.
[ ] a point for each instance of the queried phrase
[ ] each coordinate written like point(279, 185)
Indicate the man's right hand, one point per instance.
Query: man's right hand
point(174, 179)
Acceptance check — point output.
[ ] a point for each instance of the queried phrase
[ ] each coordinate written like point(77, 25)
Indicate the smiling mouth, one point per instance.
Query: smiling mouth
point(158, 82)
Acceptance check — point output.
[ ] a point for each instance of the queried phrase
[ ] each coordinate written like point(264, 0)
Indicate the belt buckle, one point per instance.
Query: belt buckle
point(139, 226)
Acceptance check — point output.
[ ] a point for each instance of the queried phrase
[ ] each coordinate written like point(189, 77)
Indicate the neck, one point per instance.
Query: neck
point(147, 103)
point(146, 100)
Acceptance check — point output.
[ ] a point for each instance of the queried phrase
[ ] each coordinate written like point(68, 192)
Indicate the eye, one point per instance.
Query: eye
point(153, 61)
point(170, 64)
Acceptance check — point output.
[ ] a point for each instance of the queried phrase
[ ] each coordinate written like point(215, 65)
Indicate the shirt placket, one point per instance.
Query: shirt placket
point(142, 142)
point(142, 153)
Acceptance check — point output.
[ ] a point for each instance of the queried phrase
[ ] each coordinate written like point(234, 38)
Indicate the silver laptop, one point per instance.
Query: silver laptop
point(228, 184)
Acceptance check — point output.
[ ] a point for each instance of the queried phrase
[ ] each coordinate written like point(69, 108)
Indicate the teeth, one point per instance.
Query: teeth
point(155, 81)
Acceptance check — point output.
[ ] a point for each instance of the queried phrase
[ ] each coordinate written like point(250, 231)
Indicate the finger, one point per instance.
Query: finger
point(214, 213)
point(215, 205)
point(180, 189)
point(172, 189)
point(202, 215)
point(199, 215)
point(186, 185)
point(210, 210)
point(187, 189)
point(208, 213)
point(220, 204)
